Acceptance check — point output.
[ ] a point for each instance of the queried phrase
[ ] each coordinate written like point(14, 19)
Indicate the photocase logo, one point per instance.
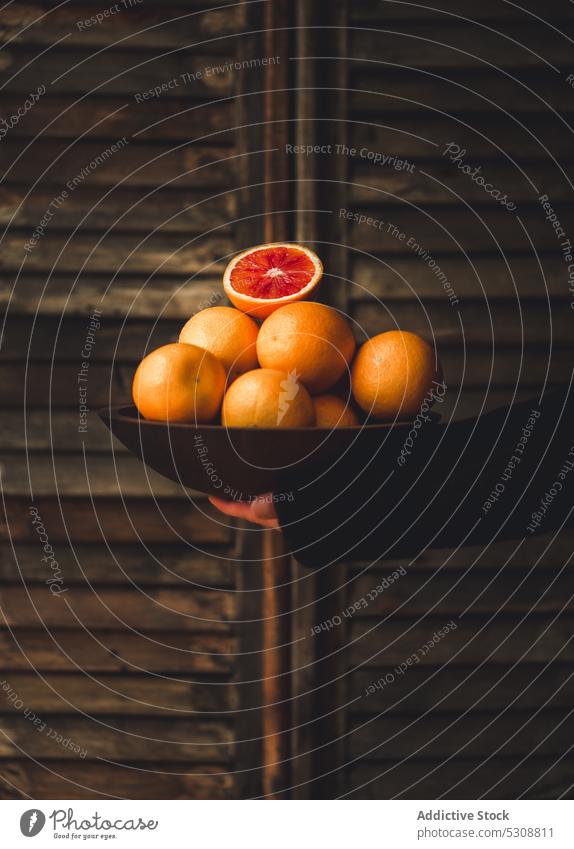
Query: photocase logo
point(289, 389)
point(65, 823)
point(32, 822)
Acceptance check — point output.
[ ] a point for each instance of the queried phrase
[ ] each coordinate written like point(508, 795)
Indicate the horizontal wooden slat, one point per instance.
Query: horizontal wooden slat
point(126, 253)
point(443, 10)
point(446, 184)
point(138, 297)
point(58, 387)
point(446, 91)
point(117, 651)
point(156, 119)
point(546, 551)
point(484, 135)
point(64, 340)
point(108, 694)
point(125, 209)
point(477, 735)
point(129, 565)
point(490, 688)
point(448, 230)
point(145, 611)
point(469, 402)
point(505, 640)
point(129, 740)
point(476, 322)
point(98, 477)
point(487, 276)
point(133, 26)
point(425, 45)
point(57, 430)
point(108, 519)
point(492, 778)
point(506, 367)
point(132, 164)
point(190, 4)
point(91, 780)
point(107, 385)
point(452, 592)
point(478, 319)
point(116, 72)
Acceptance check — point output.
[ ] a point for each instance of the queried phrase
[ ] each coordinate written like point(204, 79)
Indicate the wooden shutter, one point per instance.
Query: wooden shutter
point(488, 711)
point(136, 662)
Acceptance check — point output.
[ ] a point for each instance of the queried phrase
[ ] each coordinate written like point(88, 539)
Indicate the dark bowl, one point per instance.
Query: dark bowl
point(236, 462)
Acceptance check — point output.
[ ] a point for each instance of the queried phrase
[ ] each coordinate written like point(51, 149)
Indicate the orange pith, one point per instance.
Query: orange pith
point(392, 375)
point(272, 273)
point(179, 383)
point(260, 279)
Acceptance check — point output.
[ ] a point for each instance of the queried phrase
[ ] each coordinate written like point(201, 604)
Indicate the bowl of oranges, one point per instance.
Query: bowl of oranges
point(251, 391)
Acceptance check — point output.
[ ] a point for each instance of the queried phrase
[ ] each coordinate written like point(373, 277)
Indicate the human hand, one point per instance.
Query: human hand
point(260, 511)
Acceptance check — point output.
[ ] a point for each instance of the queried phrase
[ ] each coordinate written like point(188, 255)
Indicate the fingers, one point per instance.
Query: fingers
point(265, 523)
point(264, 508)
point(239, 509)
point(261, 511)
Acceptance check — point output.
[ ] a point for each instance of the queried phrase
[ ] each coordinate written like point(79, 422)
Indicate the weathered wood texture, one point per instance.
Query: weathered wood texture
point(485, 711)
point(464, 778)
point(89, 780)
point(126, 641)
point(156, 26)
point(144, 642)
point(448, 11)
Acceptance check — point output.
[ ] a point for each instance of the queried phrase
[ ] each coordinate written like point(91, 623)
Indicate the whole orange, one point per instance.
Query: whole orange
point(179, 383)
point(267, 398)
point(311, 339)
point(228, 334)
point(331, 411)
point(392, 373)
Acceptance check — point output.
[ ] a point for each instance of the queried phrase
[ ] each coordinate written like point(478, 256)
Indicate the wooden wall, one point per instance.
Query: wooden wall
point(487, 712)
point(135, 662)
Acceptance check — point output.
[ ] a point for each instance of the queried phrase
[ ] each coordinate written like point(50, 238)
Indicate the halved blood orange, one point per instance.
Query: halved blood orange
point(261, 279)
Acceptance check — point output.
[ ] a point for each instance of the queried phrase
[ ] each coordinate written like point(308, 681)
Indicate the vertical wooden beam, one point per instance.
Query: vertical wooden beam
point(291, 110)
point(248, 109)
point(304, 584)
point(276, 563)
point(276, 709)
point(277, 114)
point(321, 112)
